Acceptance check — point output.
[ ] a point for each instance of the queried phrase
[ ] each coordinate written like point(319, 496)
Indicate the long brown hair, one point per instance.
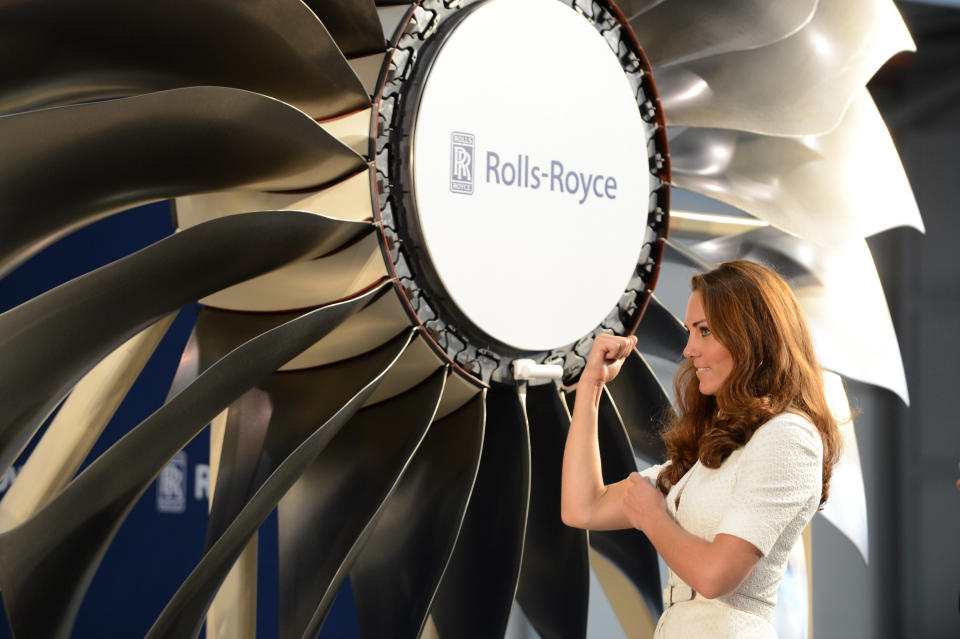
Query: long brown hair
point(754, 314)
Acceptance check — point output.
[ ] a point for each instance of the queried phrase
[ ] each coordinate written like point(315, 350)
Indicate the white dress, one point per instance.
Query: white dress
point(766, 493)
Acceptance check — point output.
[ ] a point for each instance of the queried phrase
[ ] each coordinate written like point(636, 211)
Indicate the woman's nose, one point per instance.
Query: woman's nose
point(689, 351)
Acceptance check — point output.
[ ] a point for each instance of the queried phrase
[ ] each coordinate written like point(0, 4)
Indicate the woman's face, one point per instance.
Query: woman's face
point(711, 358)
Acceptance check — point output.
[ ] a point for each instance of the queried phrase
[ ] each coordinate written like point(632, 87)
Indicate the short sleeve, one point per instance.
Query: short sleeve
point(653, 472)
point(780, 476)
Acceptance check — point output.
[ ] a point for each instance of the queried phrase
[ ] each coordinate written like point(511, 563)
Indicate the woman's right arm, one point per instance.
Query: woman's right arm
point(585, 502)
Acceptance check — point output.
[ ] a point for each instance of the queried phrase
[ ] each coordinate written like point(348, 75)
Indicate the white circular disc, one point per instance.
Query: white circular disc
point(530, 175)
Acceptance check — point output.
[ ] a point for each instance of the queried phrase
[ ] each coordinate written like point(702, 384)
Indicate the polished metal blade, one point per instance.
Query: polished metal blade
point(352, 23)
point(624, 598)
point(846, 508)
point(272, 419)
point(660, 332)
point(629, 550)
point(642, 405)
point(75, 428)
point(478, 587)
point(138, 290)
point(111, 48)
point(829, 189)
point(328, 515)
point(554, 585)
point(63, 543)
point(682, 30)
point(799, 86)
point(338, 438)
point(844, 284)
point(676, 253)
point(199, 139)
point(397, 573)
point(633, 8)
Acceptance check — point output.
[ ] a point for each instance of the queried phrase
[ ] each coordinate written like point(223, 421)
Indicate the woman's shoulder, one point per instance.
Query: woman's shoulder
point(787, 429)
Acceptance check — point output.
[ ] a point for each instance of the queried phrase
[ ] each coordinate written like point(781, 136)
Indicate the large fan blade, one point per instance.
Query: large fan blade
point(626, 601)
point(555, 575)
point(682, 30)
point(328, 515)
point(847, 507)
point(218, 332)
point(845, 285)
point(633, 8)
point(77, 425)
point(660, 333)
point(352, 23)
point(271, 420)
point(137, 289)
point(676, 253)
point(63, 544)
point(339, 438)
point(798, 86)
point(111, 48)
point(480, 582)
point(397, 574)
point(642, 406)
point(199, 139)
point(830, 189)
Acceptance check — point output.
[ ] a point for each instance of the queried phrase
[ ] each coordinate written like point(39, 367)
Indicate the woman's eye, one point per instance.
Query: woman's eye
point(704, 331)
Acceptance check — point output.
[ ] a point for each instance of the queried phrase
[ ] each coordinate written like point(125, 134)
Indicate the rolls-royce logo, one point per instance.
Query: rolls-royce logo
point(462, 147)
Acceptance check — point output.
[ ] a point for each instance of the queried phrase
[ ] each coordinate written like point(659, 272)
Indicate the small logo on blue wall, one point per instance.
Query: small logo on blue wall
point(462, 147)
point(172, 485)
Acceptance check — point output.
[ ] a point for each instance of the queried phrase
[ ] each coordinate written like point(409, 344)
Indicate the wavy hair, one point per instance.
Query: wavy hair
point(754, 314)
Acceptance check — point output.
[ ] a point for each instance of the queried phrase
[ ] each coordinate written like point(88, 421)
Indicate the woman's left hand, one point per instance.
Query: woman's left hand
point(642, 501)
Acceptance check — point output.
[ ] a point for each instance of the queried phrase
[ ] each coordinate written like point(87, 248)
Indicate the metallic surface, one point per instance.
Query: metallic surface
point(799, 86)
point(272, 419)
point(397, 573)
point(555, 574)
point(75, 428)
point(63, 544)
point(183, 615)
point(642, 405)
point(111, 48)
point(477, 589)
point(352, 23)
point(139, 289)
point(660, 332)
point(831, 189)
point(328, 515)
point(199, 139)
point(682, 30)
point(845, 286)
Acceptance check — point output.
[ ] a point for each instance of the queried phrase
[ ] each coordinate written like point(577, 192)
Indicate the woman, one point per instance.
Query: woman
point(751, 450)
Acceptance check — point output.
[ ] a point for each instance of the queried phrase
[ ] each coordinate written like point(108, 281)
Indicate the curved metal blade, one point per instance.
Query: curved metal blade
point(798, 86)
point(633, 8)
point(138, 289)
point(629, 550)
point(271, 420)
point(847, 507)
point(660, 333)
point(642, 405)
point(554, 582)
point(353, 24)
point(845, 285)
point(75, 428)
point(324, 453)
point(111, 48)
point(218, 332)
point(676, 253)
point(626, 601)
point(397, 574)
point(354, 267)
point(478, 587)
point(63, 544)
point(830, 189)
point(327, 516)
point(682, 30)
point(200, 139)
